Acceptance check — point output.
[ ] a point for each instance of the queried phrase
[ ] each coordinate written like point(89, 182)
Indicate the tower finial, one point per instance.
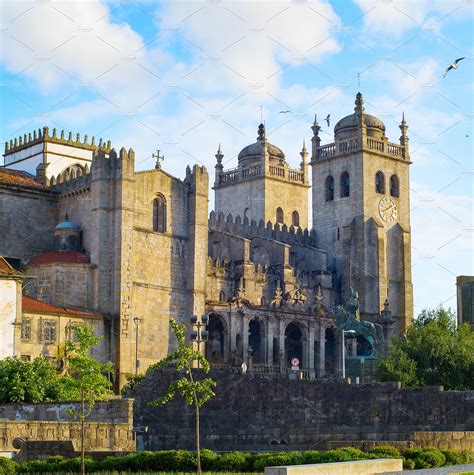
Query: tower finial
point(315, 127)
point(261, 133)
point(359, 103)
point(219, 155)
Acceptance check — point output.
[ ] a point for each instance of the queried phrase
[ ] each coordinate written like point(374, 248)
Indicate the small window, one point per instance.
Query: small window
point(280, 218)
point(380, 183)
point(159, 214)
point(25, 358)
point(222, 296)
point(345, 185)
point(26, 329)
point(263, 302)
point(394, 186)
point(329, 188)
point(295, 219)
point(49, 331)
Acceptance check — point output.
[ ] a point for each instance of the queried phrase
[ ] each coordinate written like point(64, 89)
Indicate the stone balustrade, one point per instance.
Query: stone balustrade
point(352, 145)
point(240, 174)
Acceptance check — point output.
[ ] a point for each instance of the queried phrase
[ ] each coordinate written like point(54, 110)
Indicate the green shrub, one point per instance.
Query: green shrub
point(385, 451)
point(311, 456)
point(209, 459)
point(235, 462)
point(355, 454)
point(455, 457)
point(7, 466)
point(409, 464)
point(427, 457)
point(337, 455)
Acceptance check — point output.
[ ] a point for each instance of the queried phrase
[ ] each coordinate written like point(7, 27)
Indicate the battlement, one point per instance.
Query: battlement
point(70, 180)
point(250, 229)
point(43, 135)
point(77, 178)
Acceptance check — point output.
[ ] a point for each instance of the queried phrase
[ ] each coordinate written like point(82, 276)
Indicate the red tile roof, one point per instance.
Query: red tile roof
point(60, 257)
point(7, 269)
point(31, 305)
point(9, 176)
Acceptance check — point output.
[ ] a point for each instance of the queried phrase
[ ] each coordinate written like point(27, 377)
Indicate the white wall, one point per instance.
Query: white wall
point(8, 310)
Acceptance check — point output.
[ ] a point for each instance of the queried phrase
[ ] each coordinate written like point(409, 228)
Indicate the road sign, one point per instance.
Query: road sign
point(295, 362)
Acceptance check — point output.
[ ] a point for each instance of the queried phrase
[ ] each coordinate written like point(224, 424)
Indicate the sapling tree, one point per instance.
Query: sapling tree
point(85, 378)
point(195, 391)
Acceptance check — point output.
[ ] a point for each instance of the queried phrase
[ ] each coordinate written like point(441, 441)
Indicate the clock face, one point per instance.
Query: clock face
point(387, 210)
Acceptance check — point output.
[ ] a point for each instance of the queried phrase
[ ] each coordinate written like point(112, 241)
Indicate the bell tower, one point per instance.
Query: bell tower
point(361, 212)
point(263, 187)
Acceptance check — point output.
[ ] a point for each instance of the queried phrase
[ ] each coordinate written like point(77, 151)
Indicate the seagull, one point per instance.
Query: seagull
point(328, 120)
point(283, 112)
point(453, 66)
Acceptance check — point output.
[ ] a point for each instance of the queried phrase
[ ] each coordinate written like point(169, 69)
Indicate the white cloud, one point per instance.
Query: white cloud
point(392, 18)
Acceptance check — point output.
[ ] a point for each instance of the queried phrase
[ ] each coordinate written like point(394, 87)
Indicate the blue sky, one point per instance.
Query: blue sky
point(186, 76)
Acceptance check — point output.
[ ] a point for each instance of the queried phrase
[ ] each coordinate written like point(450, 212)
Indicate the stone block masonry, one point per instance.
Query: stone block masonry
point(263, 413)
point(109, 427)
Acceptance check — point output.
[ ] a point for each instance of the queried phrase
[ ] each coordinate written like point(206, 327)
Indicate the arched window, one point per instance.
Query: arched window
point(280, 218)
point(394, 186)
point(295, 219)
point(380, 183)
point(159, 214)
point(345, 184)
point(329, 188)
point(222, 296)
point(247, 213)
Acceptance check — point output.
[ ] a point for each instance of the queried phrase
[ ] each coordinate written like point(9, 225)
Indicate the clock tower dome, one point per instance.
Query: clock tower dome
point(361, 213)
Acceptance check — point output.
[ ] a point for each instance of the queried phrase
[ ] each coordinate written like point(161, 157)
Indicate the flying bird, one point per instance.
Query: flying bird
point(453, 66)
point(284, 112)
point(328, 120)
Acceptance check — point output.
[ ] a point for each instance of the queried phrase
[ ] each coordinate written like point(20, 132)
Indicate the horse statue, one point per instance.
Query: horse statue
point(348, 318)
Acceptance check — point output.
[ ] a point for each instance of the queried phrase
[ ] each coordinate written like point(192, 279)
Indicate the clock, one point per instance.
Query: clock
point(387, 210)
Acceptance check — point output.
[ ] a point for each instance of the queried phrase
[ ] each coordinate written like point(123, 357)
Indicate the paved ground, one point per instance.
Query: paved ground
point(438, 471)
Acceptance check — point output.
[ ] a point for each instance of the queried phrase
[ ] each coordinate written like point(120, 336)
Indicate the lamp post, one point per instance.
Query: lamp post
point(199, 334)
point(344, 332)
point(137, 321)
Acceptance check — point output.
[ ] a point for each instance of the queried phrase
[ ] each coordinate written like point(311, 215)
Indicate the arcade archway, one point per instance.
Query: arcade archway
point(330, 351)
point(216, 345)
point(293, 343)
point(256, 339)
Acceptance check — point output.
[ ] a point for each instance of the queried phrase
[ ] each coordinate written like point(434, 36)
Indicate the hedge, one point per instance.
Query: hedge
point(184, 461)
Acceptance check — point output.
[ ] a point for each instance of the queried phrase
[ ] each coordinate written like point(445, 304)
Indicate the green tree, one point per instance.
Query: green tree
point(195, 391)
point(28, 381)
point(85, 378)
point(434, 351)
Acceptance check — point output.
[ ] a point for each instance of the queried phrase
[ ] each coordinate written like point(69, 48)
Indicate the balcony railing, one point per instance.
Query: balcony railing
point(236, 174)
point(348, 146)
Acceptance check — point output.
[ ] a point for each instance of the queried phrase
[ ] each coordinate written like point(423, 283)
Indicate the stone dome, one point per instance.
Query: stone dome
point(352, 121)
point(253, 152)
point(347, 127)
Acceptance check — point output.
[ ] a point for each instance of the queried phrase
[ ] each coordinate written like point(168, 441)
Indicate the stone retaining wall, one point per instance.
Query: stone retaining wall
point(255, 412)
point(109, 427)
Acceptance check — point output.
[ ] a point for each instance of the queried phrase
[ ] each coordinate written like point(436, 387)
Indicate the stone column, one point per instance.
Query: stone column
point(322, 349)
point(245, 337)
point(305, 362)
point(282, 349)
point(310, 364)
point(270, 342)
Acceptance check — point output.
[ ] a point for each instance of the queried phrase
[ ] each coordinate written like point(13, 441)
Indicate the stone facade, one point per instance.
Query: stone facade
point(263, 413)
point(139, 247)
point(108, 428)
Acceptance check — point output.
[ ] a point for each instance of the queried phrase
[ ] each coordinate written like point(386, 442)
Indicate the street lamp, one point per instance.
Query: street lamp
point(199, 334)
point(137, 321)
point(344, 332)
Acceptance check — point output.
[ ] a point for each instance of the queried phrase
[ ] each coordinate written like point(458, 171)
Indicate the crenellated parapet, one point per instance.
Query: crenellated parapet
point(250, 229)
point(44, 135)
point(71, 180)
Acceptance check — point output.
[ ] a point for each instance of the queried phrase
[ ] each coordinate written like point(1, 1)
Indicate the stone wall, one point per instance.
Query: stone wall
point(257, 412)
point(109, 427)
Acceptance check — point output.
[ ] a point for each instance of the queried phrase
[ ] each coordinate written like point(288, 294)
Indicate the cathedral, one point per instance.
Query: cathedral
point(86, 236)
